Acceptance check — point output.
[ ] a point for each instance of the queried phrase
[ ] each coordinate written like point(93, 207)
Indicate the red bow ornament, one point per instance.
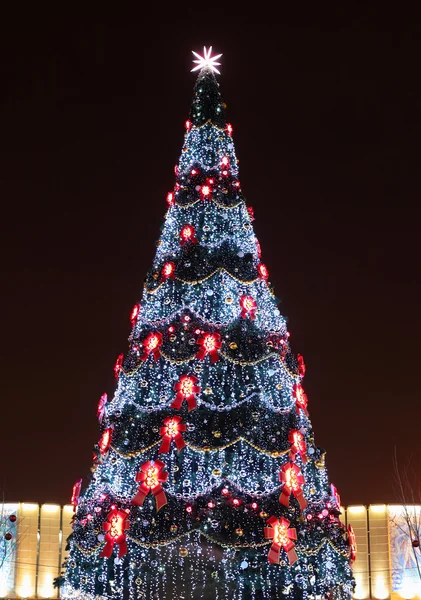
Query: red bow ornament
point(188, 235)
point(115, 526)
point(186, 389)
point(151, 345)
point(75, 494)
point(168, 271)
point(335, 496)
point(352, 543)
point(150, 477)
point(298, 445)
point(248, 307)
point(282, 536)
point(301, 399)
point(101, 407)
point(105, 440)
point(118, 365)
point(209, 343)
point(293, 481)
point(172, 430)
point(301, 365)
point(134, 314)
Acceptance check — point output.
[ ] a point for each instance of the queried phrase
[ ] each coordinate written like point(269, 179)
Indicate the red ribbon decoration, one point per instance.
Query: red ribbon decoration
point(172, 431)
point(335, 495)
point(263, 271)
point(134, 314)
point(105, 440)
point(298, 445)
point(293, 479)
point(352, 543)
point(301, 399)
point(188, 235)
point(248, 307)
point(150, 477)
point(118, 365)
point(301, 365)
point(115, 526)
point(75, 494)
point(101, 407)
point(168, 271)
point(210, 343)
point(282, 536)
point(186, 389)
point(151, 345)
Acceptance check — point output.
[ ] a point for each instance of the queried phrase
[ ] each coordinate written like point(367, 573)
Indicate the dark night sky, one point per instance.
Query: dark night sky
point(327, 127)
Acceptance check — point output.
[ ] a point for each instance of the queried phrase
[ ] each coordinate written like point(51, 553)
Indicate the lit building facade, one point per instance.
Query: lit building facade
point(385, 566)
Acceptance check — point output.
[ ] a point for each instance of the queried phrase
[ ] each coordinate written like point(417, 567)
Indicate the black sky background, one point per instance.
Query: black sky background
point(327, 127)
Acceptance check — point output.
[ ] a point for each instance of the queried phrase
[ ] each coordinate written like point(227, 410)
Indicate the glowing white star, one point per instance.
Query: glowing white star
point(206, 60)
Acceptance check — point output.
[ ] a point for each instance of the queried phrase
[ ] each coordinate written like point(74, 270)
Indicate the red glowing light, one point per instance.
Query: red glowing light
point(118, 365)
point(254, 505)
point(188, 125)
point(325, 512)
point(168, 270)
point(171, 329)
point(186, 389)
point(187, 318)
point(211, 504)
point(176, 169)
point(210, 181)
point(236, 502)
point(205, 190)
point(229, 129)
point(225, 161)
point(250, 211)
point(263, 271)
point(170, 198)
point(210, 343)
point(188, 234)
point(105, 440)
point(309, 517)
point(248, 307)
point(151, 345)
point(225, 491)
point(134, 313)
point(225, 173)
point(193, 172)
point(189, 509)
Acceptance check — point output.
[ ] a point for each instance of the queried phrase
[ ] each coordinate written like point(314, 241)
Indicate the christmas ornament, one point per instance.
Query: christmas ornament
point(301, 400)
point(8, 536)
point(172, 430)
point(168, 270)
point(301, 365)
point(209, 343)
point(229, 129)
point(115, 527)
point(150, 476)
point(118, 365)
point(248, 307)
point(263, 272)
point(151, 345)
point(205, 191)
point(12, 518)
point(134, 314)
point(298, 445)
point(188, 235)
point(170, 198)
point(250, 212)
point(186, 389)
point(101, 407)
point(105, 440)
point(293, 481)
point(282, 536)
point(75, 494)
point(352, 543)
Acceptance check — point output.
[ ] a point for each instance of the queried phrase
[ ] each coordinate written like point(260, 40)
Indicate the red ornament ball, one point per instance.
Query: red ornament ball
point(8, 536)
point(12, 518)
point(415, 543)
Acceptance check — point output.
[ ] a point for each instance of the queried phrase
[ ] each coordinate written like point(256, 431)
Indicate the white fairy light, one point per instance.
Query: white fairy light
point(206, 61)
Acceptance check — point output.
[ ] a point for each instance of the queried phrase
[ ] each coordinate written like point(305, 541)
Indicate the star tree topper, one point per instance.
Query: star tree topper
point(206, 61)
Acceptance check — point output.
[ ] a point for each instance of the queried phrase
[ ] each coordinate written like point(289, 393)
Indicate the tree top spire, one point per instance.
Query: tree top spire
point(207, 103)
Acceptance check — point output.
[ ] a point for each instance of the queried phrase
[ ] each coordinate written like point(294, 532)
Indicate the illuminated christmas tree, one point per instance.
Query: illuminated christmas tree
point(206, 481)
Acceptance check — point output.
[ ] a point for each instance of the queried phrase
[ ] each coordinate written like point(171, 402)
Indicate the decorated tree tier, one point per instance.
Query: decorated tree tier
point(206, 480)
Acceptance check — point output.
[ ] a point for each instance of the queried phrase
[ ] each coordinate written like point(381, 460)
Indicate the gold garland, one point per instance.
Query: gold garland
point(196, 281)
point(242, 363)
point(205, 449)
point(311, 552)
point(219, 204)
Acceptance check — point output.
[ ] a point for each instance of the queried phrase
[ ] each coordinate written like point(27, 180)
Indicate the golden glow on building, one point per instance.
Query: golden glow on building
point(383, 569)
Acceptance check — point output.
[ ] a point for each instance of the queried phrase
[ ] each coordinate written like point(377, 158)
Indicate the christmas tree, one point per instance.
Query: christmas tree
point(206, 480)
